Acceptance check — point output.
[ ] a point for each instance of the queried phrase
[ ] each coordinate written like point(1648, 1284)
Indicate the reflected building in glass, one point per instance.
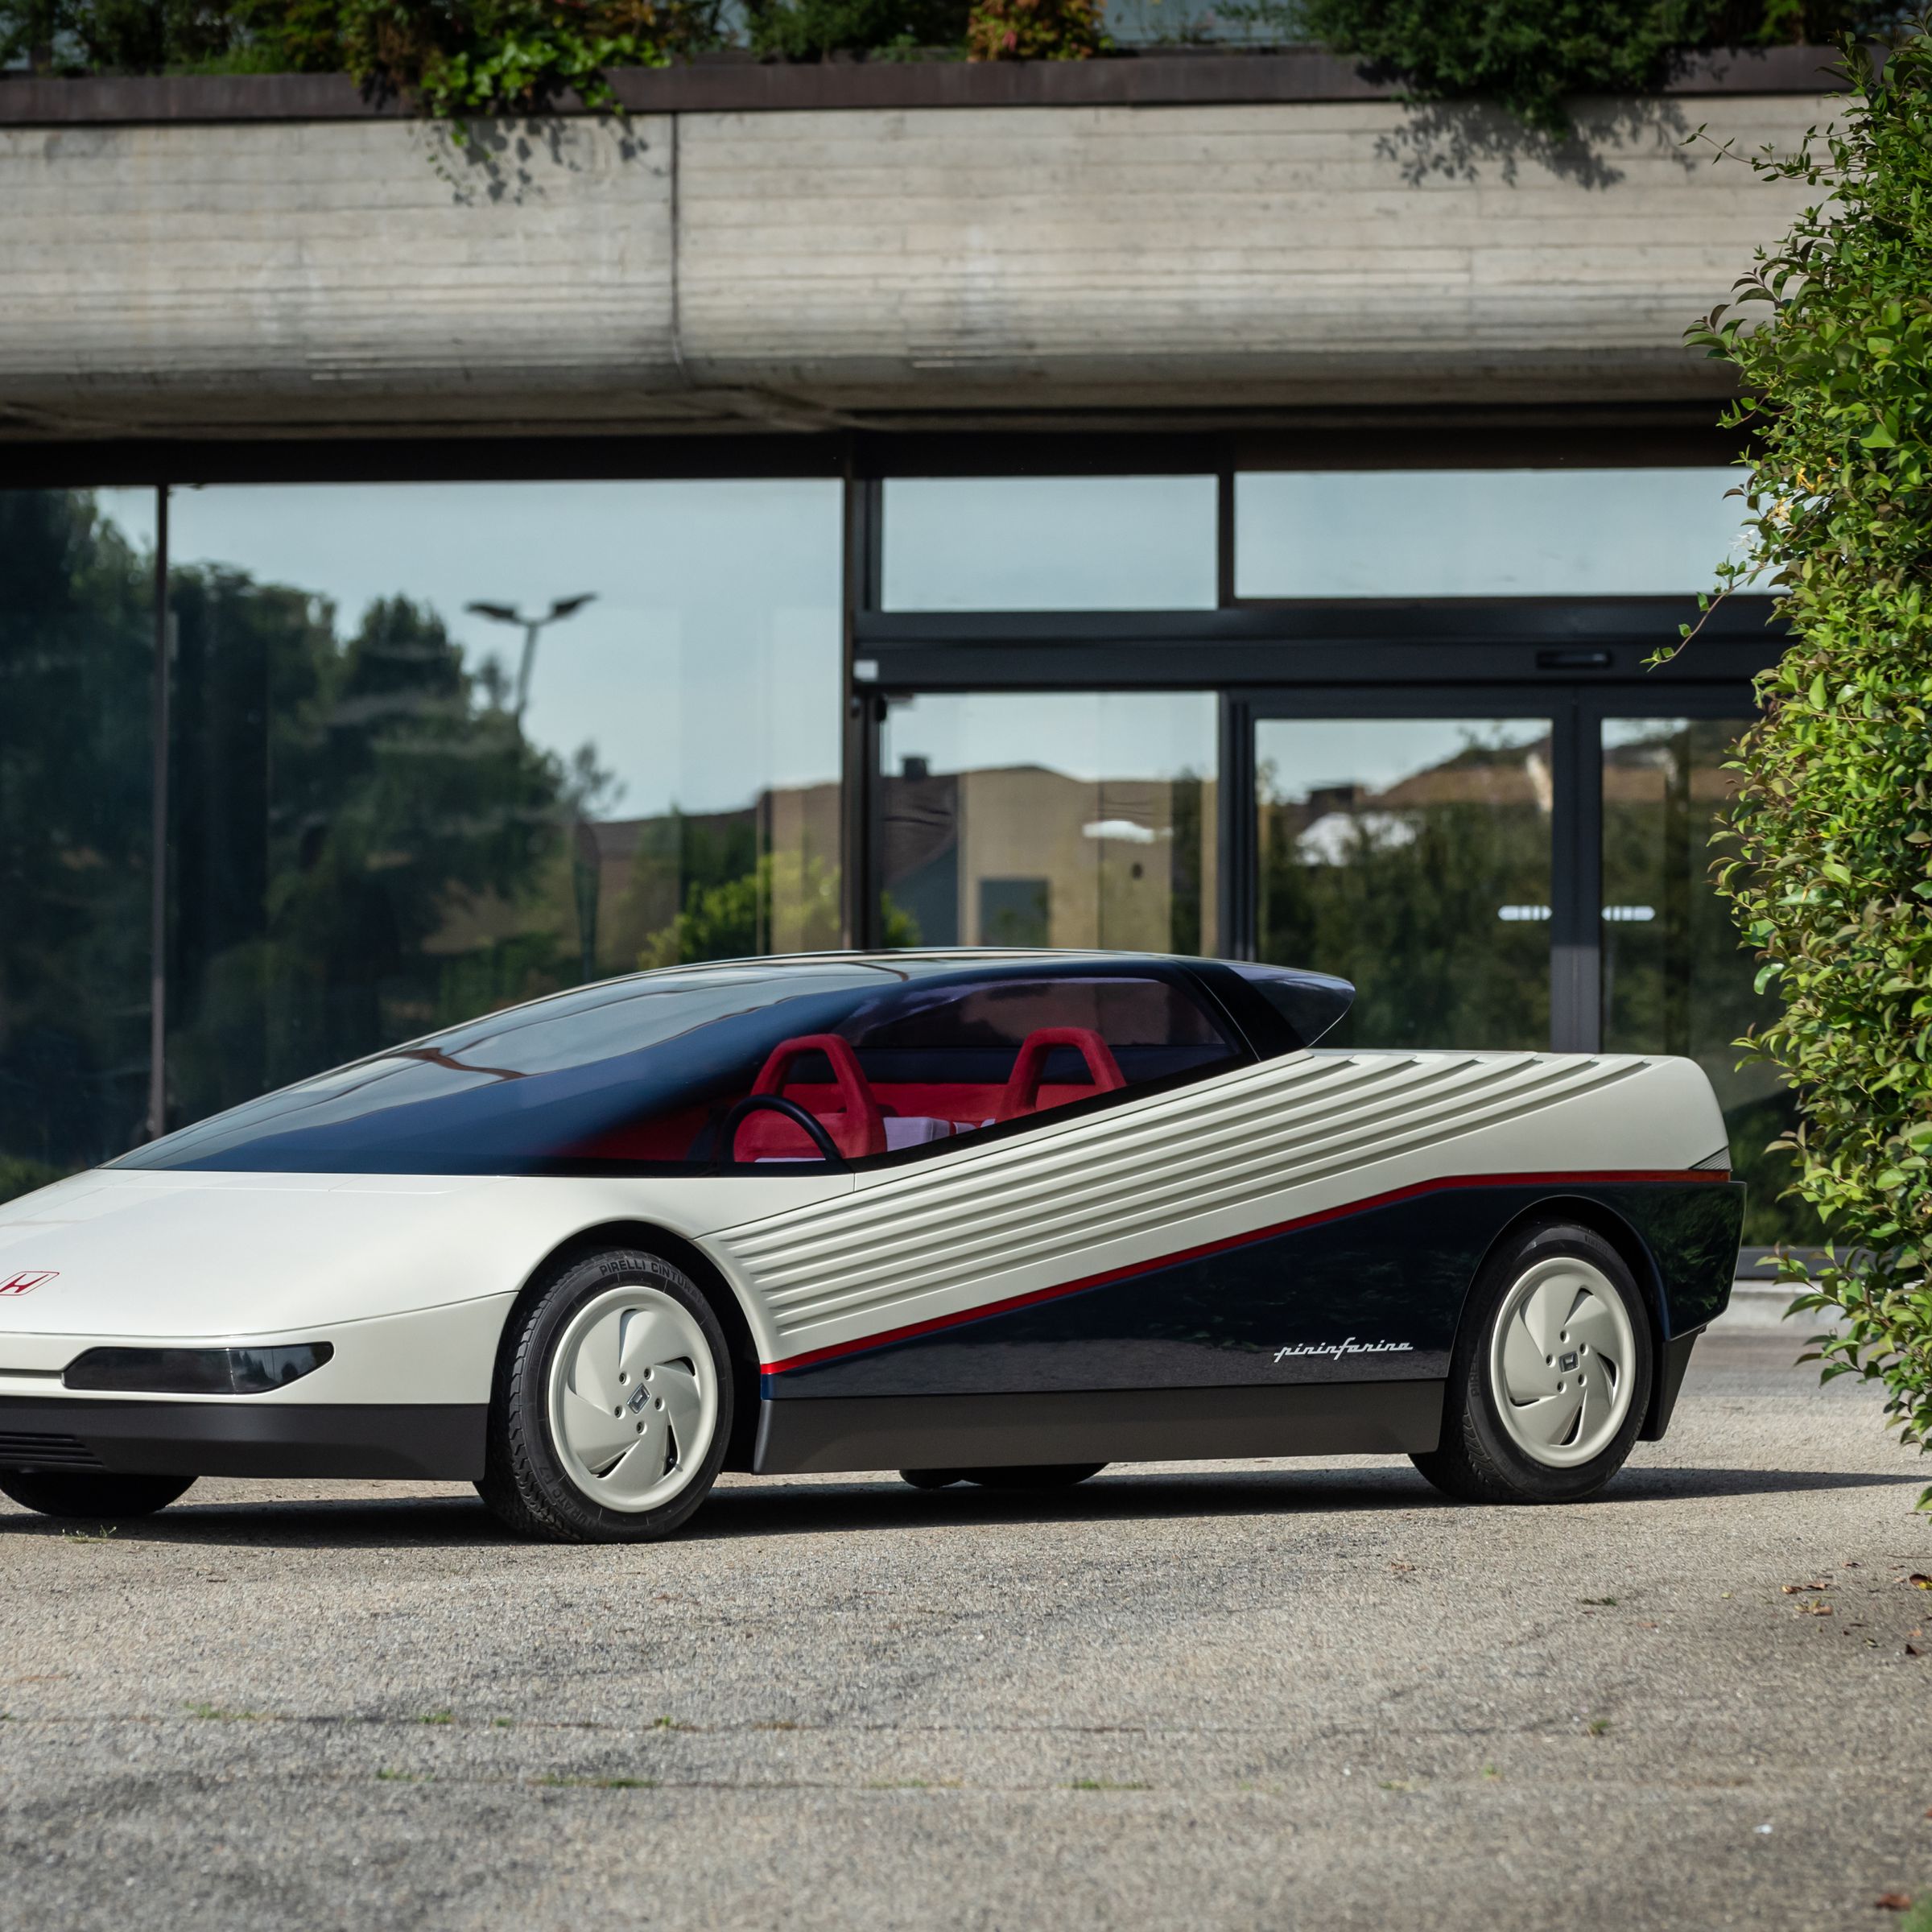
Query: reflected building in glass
point(1059, 820)
point(434, 747)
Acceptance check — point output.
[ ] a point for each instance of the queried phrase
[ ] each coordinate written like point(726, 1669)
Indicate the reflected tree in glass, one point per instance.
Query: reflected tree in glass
point(361, 832)
point(382, 825)
point(1676, 977)
point(77, 654)
point(1425, 880)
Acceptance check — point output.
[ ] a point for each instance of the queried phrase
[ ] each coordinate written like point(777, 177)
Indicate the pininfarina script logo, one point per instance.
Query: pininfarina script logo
point(1337, 1350)
point(26, 1282)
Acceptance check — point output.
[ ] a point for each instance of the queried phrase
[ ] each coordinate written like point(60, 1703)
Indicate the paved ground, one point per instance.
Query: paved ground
point(1270, 1695)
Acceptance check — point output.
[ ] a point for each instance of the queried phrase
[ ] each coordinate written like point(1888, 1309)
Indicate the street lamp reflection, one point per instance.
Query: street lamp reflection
point(532, 628)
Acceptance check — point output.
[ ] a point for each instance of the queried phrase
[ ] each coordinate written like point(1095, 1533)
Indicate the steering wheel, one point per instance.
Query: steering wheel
point(773, 1102)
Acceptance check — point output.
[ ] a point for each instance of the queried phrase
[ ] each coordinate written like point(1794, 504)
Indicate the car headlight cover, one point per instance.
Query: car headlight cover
point(194, 1371)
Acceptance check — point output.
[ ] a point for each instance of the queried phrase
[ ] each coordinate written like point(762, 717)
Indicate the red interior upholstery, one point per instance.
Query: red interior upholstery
point(856, 1125)
point(1022, 1094)
point(966, 1104)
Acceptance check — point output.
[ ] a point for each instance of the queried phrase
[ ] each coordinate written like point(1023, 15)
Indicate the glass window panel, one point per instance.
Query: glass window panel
point(1483, 533)
point(1055, 818)
point(655, 1072)
point(398, 804)
point(76, 659)
point(1676, 977)
point(1411, 856)
point(1050, 543)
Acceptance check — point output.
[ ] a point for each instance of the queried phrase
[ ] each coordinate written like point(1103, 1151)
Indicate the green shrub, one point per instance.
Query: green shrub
point(1035, 30)
point(809, 29)
point(459, 58)
point(1831, 337)
point(1528, 54)
point(464, 58)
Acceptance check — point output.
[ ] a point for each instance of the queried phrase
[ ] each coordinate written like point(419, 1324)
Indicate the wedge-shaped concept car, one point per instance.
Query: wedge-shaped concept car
point(996, 1217)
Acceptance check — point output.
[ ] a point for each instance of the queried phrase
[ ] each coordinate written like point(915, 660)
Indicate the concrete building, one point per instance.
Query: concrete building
point(1188, 500)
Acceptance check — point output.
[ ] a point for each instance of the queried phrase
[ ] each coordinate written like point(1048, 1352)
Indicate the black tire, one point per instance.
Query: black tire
point(100, 1498)
point(1033, 1475)
point(527, 1483)
point(1478, 1459)
point(932, 1478)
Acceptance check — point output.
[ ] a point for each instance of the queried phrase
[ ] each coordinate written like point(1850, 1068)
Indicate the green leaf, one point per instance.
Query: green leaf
point(1824, 855)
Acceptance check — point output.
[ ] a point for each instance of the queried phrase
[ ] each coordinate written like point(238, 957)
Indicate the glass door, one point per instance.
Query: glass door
point(1411, 853)
point(1075, 819)
point(1676, 976)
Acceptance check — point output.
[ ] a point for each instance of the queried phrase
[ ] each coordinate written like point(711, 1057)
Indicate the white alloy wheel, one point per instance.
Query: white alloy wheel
point(634, 1398)
point(1562, 1359)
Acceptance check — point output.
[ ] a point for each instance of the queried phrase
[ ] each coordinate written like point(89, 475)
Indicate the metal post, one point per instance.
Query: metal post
point(1576, 1020)
point(859, 879)
point(528, 665)
point(157, 904)
point(1237, 862)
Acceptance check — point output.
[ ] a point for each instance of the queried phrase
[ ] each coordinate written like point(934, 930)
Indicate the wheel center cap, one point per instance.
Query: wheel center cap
point(1566, 1362)
point(639, 1402)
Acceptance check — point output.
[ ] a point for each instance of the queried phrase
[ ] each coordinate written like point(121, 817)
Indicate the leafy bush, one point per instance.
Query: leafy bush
point(809, 29)
point(116, 37)
point(1528, 54)
point(494, 56)
point(1035, 30)
point(459, 57)
point(1830, 337)
point(468, 57)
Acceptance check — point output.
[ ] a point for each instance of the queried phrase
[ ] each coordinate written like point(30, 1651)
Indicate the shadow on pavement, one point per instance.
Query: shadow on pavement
point(782, 1507)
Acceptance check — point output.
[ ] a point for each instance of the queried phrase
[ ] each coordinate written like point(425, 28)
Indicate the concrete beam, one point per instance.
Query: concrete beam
point(808, 269)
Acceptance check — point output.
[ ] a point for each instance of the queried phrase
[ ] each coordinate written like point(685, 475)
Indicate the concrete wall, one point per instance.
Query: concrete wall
point(864, 265)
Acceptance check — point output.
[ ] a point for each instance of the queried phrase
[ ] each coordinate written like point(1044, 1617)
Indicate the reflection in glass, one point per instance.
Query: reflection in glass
point(682, 1070)
point(1049, 543)
point(1412, 857)
point(1502, 533)
point(1059, 819)
point(1676, 977)
point(396, 807)
point(76, 657)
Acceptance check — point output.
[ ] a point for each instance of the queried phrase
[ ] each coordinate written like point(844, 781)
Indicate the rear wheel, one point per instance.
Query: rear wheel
point(612, 1406)
point(1033, 1475)
point(71, 1492)
point(1551, 1374)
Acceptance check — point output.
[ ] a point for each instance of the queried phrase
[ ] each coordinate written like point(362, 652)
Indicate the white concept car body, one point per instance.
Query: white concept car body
point(998, 1216)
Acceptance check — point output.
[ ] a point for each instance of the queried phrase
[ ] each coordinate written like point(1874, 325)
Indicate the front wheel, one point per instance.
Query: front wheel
point(612, 1405)
point(103, 1498)
point(1551, 1374)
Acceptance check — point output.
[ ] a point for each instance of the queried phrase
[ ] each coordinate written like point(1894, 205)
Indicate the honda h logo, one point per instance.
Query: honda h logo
point(26, 1283)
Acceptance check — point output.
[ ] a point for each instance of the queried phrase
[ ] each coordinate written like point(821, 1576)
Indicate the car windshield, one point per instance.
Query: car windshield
point(752, 1064)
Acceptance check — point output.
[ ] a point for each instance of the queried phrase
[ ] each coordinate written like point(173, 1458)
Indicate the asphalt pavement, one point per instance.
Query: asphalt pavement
point(1255, 1695)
